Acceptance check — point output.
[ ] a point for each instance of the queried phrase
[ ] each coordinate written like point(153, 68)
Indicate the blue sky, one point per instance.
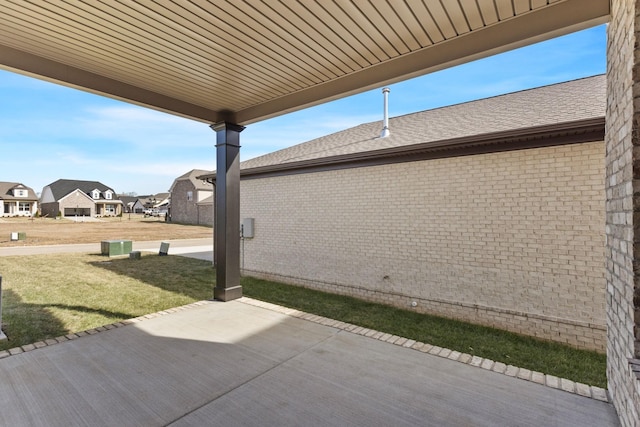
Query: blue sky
point(48, 131)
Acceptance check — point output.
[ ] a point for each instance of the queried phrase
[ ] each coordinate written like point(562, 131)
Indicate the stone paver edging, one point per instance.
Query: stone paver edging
point(585, 390)
point(569, 386)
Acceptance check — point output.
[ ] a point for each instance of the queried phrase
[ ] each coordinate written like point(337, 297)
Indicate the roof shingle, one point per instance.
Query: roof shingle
point(6, 194)
point(62, 187)
point(559, 103)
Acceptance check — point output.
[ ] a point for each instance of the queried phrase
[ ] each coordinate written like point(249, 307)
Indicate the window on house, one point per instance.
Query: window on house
point(95, 194)
point(189, 196)
point(110, 209)
point(24, 207)
point(107, 195)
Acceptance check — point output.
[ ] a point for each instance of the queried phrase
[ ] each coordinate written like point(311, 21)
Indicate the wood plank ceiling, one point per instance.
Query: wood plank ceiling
point(244, 61)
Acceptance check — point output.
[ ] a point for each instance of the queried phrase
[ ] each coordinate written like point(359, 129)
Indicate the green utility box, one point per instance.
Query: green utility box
point(115, 247)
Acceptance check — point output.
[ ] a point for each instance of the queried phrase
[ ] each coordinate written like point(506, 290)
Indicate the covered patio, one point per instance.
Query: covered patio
point(229, 64)
point(253, 364)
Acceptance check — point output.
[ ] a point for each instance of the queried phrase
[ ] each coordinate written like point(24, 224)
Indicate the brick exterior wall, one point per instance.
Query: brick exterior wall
point(622, 210)
point(513, 239)
point(186, 211)
point(183, 210)
point(205, 214)
point(73, 200)
point(77, 199)
point(49, 209)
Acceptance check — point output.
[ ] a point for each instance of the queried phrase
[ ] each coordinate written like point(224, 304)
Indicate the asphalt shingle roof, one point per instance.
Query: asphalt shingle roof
point(554, 104)
point(62, 187)
point(191, 176)
point(6, 187)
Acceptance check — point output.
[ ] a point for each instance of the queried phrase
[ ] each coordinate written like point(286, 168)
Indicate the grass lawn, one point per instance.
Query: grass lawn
point(46, 296)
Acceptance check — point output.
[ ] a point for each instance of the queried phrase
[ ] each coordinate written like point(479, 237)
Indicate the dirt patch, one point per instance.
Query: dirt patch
point(48, 231)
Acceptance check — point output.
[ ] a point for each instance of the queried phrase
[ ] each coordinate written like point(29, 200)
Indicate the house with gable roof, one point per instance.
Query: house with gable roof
point(192, 199)
point(17, 199)
point(71, 198)
point(154, 204)
point(158, 201)
point(489, 211)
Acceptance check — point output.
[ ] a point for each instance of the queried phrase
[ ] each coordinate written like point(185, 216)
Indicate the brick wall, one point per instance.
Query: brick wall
point(77, 199)
point(183, 211)
point(622, 217)
point(186, 211)
point(512, 239)
point(72, 201)
point(205, 214)
point(50, 209)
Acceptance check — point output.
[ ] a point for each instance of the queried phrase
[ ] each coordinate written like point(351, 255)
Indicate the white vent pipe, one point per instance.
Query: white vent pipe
point(385, 125)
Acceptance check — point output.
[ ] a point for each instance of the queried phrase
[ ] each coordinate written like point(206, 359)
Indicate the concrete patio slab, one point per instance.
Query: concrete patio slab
point(238, 364)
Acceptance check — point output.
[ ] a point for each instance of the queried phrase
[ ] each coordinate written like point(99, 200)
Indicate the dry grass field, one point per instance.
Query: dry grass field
point(48, 231)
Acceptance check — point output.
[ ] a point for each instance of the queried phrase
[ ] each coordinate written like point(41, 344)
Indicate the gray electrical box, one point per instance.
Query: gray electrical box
point(247, 228)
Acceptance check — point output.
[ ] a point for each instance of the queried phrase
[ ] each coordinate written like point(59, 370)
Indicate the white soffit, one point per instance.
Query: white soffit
point(245, 61)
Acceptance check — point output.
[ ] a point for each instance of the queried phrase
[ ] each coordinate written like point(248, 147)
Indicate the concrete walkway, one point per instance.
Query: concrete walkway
point(250, 363)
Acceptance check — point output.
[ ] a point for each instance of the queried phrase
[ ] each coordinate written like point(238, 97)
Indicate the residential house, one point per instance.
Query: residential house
point(127, 203)
point(138, 206)
point(192, 199)
point(162, 202)
point(159, 202)
point(489, 211)
point(69, 198)
point(17, 199)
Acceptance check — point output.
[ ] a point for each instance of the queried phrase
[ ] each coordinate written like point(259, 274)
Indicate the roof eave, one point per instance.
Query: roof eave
point(533, 137)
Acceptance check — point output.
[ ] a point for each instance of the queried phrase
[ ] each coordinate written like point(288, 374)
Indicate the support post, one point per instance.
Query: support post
point(227, 212)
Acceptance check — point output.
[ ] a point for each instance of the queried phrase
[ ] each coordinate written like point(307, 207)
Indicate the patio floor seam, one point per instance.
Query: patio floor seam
point(547, 380)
